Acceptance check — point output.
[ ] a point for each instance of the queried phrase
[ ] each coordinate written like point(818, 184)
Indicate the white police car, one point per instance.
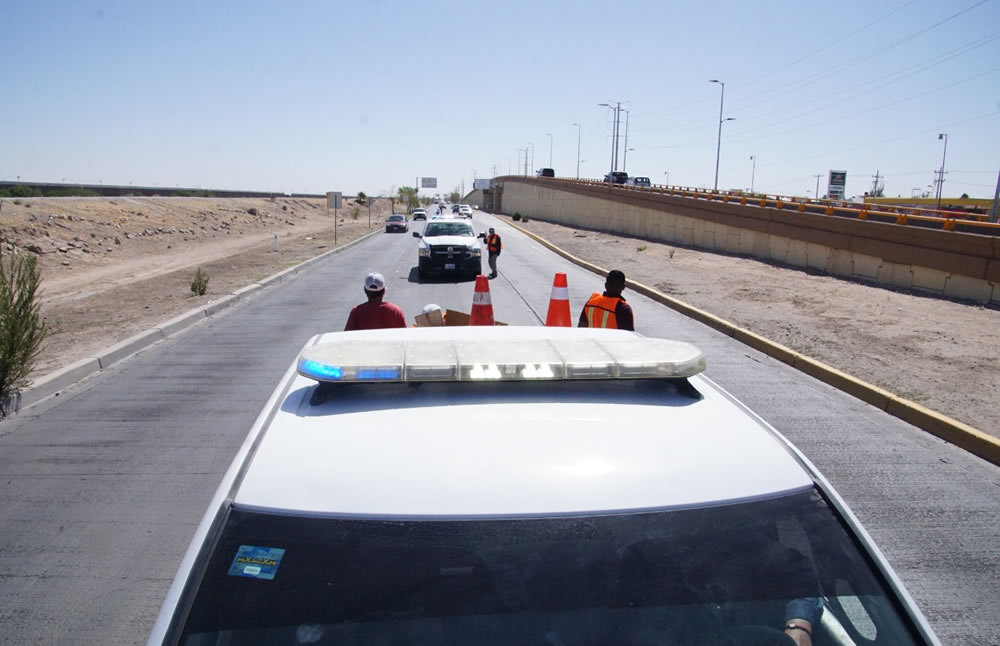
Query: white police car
point(513, 485)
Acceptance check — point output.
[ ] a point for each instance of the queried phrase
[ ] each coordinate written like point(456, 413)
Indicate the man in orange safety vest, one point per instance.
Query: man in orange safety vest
point(493, 248)
point(609, 309)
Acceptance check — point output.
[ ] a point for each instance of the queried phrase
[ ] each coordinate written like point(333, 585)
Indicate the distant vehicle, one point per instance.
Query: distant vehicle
point(638, 181)
point(454, 208)
point(396, 222)
point(465, 210)
point(449, 246)
point(419, 214)
point(546, 172)
point(616, 177)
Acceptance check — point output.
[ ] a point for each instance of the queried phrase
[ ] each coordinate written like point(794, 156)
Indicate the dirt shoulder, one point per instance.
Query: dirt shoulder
point(941, 354)
point(112, 268)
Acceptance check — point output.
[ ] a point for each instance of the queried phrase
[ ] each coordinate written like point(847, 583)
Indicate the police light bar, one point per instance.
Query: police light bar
point(415, 360)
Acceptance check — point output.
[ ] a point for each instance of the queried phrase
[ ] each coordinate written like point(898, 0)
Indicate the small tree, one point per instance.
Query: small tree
point(21, 327)
point(362, 198)
point(199, 284)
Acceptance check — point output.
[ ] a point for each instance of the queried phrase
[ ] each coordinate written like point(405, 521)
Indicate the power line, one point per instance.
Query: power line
point(742, 135)
point(900, 74)
point(826, 47)
point(813, 78)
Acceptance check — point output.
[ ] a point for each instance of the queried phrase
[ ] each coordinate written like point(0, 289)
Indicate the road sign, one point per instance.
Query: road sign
point(428, 182)
point(333, 199)
point(481, 184)
point(835, 187)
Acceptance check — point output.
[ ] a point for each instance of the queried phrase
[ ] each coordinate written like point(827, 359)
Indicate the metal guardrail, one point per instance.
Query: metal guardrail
point(909, 216)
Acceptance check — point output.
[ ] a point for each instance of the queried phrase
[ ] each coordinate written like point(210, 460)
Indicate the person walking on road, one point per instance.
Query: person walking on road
point(609, 309)
point(376, 313)
point(493, 248)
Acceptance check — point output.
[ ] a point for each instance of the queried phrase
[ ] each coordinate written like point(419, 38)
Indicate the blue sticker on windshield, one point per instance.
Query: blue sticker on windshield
point(256, 562)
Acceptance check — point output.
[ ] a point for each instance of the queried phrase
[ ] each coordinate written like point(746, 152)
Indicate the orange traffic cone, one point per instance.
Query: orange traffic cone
point(559, 315)
point(482, 306)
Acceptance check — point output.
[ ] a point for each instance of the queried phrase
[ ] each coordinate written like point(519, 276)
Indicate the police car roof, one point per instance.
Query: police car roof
point(499, 448)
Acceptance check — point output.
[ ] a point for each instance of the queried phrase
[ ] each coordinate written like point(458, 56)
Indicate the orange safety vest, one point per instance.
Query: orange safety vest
point(493, 244)
point(600, 311)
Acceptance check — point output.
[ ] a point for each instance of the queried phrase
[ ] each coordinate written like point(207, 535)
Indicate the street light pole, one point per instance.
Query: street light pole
point(532, 144)
point(551, 139)
point(625, 157)
point(817, 186)
point(753, 171)
point(579, 130)
point(718, 145)
point(941, 172)
point(614, 134)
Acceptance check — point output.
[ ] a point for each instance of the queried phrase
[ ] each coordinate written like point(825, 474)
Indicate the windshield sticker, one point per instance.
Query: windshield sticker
point(256, 562)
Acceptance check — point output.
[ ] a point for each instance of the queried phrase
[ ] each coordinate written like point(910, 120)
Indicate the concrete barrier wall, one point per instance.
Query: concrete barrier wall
point(947, 263)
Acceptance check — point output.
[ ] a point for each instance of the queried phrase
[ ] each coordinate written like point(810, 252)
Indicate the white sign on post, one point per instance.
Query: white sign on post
point(333, 199)
point(428, 182)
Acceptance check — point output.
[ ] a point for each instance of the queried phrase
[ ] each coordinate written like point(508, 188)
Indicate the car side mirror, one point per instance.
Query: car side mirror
point(482, 235)
point(416, 234)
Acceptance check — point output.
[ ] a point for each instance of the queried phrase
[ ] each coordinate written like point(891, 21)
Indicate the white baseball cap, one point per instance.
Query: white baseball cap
point(374, 282)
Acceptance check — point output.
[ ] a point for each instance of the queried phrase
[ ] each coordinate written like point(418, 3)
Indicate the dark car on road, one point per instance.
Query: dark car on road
point(396, 223)
point(546, 172)
point(616, 177)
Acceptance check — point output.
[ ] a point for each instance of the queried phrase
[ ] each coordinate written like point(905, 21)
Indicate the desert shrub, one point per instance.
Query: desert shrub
point(355, 212)
point(21, 327)
point(642, 248)
point(20, 191)
point(517, 216)
point(524, 218)
point(361, 197)
point(199, 284)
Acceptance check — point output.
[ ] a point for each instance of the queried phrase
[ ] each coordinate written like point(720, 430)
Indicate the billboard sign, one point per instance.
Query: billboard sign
point(333, 199)
point(836, 186)
point(428, 182)
point(480, 184)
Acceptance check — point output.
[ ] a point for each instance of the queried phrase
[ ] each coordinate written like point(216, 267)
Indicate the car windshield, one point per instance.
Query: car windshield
point(710, 576)
point(448, 229)
point(396, 218)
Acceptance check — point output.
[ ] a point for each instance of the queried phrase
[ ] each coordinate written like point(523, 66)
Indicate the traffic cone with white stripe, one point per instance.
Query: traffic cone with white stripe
point(558, 315)
point(482, 306)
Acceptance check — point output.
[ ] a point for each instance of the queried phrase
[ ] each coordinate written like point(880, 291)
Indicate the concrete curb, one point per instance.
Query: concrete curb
point(54, 382)
point(942, 426)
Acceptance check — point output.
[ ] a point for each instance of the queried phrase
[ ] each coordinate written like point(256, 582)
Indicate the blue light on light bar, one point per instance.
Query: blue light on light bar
point(321, 371)
point(378, 374)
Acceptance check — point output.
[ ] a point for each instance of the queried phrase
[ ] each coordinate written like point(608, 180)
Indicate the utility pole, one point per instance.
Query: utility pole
point(940, 187)
point(817, 185)
point(875, 184)
point(579, 132)
point(753, 170)
point(996, 198)
point(625, 157)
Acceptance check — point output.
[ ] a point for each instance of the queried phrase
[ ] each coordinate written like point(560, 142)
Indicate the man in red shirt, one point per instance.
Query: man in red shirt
point(375, 313)
point(609, 309)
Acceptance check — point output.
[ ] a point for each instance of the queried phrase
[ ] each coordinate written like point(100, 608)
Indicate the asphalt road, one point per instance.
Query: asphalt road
point(104, 484)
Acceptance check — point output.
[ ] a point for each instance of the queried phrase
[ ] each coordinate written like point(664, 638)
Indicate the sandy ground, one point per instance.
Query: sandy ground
point(114, 267)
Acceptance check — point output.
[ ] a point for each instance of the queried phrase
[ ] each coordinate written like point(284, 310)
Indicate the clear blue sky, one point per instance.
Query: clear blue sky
point(366, 96)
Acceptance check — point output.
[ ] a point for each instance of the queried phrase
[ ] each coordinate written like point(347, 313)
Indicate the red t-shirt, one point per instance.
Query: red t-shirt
point(372, 316)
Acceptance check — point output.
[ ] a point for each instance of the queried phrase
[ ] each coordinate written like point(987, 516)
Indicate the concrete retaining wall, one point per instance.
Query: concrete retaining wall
point(947, 263)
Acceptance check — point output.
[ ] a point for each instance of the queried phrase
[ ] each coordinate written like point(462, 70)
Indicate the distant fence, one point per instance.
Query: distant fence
point(53, 189)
